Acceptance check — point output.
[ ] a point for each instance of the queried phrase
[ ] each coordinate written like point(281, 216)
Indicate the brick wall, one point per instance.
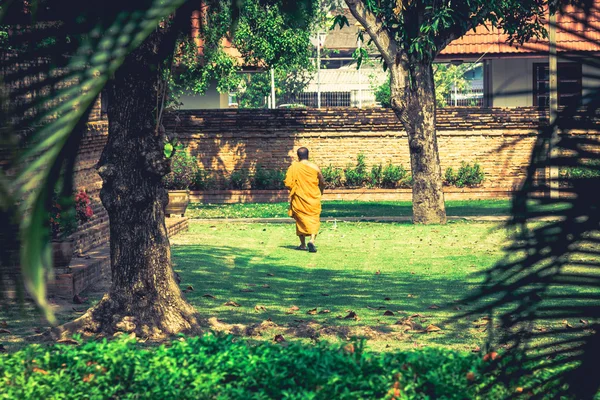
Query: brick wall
point(500, 139)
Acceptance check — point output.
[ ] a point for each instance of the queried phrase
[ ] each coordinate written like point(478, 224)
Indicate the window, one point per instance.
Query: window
point(569, 84)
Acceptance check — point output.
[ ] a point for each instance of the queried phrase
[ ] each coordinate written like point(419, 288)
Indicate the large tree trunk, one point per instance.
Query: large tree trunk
point(413, 101)
point(144, 297)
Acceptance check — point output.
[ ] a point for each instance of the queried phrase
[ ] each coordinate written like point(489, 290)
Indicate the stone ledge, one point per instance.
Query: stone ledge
point(275, 196)
point(95, 265)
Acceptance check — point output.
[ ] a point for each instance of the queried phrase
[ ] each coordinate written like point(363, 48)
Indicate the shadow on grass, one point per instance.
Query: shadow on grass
point(232, 274)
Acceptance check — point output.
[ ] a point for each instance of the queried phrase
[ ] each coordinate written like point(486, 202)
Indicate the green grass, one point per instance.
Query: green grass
point(357, 267)
point(339, 209)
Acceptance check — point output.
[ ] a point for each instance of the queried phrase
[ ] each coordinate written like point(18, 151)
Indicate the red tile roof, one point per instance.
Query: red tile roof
point(576, 32)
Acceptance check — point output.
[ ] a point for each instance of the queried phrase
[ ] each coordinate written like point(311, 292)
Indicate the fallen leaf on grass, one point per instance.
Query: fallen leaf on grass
point(246, 290)
point(376, 308)
point(279, 338)
point(324, 294)
point(470, 376)
point(258, 308)
point(388, 313)
point(567, 324)
point(432, 328)
point(417, 316)
point(387, 299)
point(378, 272)
point(584, 322)
point(2, 330)
point(88, 377)
point(411, 295)
point(68, 341)
point(3, 324)
point(351, 315)
point(292, 310)
point(270, 274)
point(312, 312)
point(265, 286)
point(457, 308)
point(433, 307)
point(190, 288)
point(349, 348)
point(79, 310)
point(232, 304)
point(324, 312)
point(208, 295)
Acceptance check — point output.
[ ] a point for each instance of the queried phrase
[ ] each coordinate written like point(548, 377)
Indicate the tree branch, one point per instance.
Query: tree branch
point(376, 30)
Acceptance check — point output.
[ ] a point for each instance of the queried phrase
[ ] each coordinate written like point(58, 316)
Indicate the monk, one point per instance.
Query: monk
point(306, 183)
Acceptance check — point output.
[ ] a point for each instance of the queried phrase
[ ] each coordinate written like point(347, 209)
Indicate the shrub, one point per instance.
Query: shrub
point(467, 175)
point(394, 176)
point(267, 179)
point(239, 180)
point(589, 170)
point(376, 176)
point(183, 171)
point(333, 177)
point(227, 367)
point(203, 180)
point(357, 175)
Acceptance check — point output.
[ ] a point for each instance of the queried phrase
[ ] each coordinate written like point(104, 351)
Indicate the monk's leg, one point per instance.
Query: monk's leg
point(302, 241)
point(313, 236)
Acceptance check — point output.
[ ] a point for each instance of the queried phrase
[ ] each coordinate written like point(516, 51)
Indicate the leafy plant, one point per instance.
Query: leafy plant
point(394, 176)
point(467, 175)
point(239, 180)
point(203, 180)
point(184, 168)
point(357, 175)
point(333, 177)
point(266, 179)
point(588, 169)
point(68, 212)
point(376, 176)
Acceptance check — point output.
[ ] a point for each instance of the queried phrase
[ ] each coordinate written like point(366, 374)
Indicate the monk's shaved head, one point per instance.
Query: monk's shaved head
point(303, 153)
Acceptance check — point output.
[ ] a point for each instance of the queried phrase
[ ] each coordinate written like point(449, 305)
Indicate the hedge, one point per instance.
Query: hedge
point(227, 367)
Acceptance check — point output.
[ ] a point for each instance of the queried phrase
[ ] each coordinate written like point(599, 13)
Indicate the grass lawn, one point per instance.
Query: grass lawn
point(338, 209)
point(249, 279)
point(420, 270)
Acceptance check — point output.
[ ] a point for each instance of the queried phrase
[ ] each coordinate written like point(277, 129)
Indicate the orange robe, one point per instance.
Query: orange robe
point(305, 198)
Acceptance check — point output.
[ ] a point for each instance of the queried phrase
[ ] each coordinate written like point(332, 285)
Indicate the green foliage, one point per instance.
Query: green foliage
point(589, 170)
point(334, 177)
point(357, 175)
point(227, 367)
point(445, 77)
point(203, 180)
point(383, 94)
point(184, 169)
point(239, 180)
point(264, 179)
point(394, 176)
point(376, 176)
point(467, 175)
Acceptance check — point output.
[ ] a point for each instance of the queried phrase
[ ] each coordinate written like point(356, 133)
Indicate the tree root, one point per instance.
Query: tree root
point(118, 314)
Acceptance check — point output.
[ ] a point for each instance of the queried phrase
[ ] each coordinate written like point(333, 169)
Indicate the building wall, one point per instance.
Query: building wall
point(212, 99)
point(512, 79)
point(500, 139)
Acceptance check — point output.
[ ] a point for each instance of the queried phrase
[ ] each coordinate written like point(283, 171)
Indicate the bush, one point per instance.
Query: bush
point(203, 181)
point(394, 176)
point(467, 175)
point(589, 170)
point(226, 367)
point(239, 180)
point(265, 179)
point(183, 171)
point(376, 176)
point(357, 175)
point(333, 177)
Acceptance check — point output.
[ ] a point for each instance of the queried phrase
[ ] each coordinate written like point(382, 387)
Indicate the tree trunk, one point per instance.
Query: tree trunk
point(413, 101)
point(144, 297)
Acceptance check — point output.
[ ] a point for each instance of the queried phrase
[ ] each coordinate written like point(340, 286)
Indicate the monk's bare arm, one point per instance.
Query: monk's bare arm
point(321, 182)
